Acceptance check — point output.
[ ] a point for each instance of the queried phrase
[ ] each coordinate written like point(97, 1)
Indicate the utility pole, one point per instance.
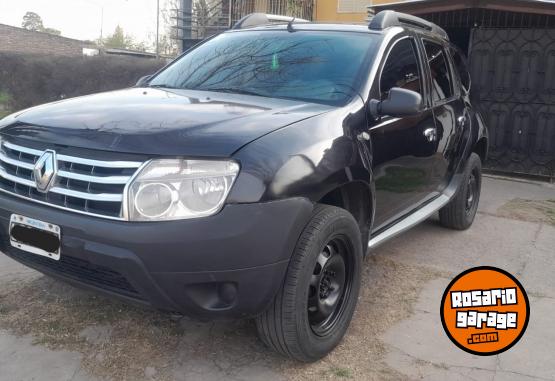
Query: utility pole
point(157, 28)
point(229, 19)
point(101, 23)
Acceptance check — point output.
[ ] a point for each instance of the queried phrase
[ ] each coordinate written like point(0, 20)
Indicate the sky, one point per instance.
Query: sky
point(81, 19)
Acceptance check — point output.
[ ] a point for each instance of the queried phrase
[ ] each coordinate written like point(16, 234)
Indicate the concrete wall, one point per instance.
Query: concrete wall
point(13, 39)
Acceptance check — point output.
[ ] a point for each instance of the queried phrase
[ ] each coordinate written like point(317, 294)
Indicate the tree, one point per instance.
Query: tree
point(202, 12)
point(32, 21)
point(168, 44)
point(53, 31)
point(118, 40)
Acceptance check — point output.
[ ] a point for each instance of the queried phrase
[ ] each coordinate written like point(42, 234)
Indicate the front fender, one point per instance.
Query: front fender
point(307, 159)
point(482, 134)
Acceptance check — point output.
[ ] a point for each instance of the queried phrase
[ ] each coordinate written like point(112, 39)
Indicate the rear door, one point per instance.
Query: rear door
point(448, 110)
point(402, 155)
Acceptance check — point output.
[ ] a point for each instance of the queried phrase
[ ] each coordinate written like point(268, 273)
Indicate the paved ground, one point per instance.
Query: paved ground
point(51, 331)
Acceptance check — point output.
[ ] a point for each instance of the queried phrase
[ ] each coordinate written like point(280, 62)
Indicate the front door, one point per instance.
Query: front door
point(403, 152)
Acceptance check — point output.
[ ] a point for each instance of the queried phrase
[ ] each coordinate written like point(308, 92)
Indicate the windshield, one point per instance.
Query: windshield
point(320, 67)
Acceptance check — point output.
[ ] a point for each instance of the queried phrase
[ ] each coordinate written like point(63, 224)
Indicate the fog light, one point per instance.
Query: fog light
point(227, 292)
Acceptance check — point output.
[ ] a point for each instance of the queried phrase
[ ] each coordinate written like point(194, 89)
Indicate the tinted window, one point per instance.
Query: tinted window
point(461, 66)
point(324, 67)
point(441, 78)
point(401, 69)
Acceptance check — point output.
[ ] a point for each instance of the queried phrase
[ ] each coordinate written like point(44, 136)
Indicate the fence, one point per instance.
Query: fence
point(199, 19)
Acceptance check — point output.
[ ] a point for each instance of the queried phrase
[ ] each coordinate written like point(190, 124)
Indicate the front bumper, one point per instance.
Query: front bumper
point(225, 266)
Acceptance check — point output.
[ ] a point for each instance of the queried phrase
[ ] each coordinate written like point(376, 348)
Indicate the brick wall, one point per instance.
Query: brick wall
point(13, 39)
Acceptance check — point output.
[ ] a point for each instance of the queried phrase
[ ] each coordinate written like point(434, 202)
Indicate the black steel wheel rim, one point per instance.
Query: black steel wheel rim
point(330, 286)
point(471, 192)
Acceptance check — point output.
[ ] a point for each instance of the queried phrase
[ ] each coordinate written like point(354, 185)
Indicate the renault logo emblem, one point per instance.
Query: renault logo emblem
point(45, 171)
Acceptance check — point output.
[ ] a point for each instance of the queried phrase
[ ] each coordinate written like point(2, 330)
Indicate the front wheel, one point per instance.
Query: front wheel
point(314, 307)
point(460, 212)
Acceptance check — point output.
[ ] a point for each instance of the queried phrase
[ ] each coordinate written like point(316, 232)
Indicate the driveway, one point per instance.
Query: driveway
point(52, 331)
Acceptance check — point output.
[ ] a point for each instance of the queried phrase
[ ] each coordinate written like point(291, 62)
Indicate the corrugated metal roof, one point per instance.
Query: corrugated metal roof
point(469, 3)
point(427, 6)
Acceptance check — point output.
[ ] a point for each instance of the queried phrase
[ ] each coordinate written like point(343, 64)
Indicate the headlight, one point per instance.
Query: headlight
point(173, 189)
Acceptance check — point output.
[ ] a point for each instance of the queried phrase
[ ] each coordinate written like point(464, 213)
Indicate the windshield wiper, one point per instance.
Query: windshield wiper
point(232, 91)
point(163, 86)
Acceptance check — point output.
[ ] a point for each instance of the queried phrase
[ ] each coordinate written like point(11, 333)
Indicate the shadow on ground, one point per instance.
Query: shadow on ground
point(395, 334)
point(119, 341)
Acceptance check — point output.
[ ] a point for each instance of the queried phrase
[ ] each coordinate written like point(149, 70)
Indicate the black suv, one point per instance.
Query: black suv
point(249, 177)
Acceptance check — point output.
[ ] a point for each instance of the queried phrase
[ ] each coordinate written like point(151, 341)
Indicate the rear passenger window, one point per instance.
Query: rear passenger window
point(461, 66)
point(401, 69)
point(442, 87)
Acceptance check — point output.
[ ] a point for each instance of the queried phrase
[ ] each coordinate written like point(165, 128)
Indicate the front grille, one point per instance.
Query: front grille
point(83, 185)
point(80, 270)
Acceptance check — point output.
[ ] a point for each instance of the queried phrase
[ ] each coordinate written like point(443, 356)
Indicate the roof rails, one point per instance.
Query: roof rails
point(258, 19)
point(388, 19)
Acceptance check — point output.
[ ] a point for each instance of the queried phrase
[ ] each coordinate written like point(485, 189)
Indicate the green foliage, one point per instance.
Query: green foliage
point(4, 97)
point(4, 104)
point(32, 79)
point(32, 21)
point(342, 372)
point(53, 31)
point(118, 40)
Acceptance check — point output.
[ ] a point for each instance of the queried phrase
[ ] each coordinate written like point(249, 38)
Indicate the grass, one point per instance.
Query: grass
point(530, 210)
point(341, 372)
point(4, 97)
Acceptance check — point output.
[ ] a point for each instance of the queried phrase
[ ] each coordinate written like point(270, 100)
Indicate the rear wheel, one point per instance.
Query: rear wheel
point(460, 212)
point(312, 311)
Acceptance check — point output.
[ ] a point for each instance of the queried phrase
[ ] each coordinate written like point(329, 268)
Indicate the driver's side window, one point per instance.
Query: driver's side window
point(401, 69)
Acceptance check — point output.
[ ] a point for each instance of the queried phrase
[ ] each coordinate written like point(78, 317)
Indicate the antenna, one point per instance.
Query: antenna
point(258, 19)
point(290, 25)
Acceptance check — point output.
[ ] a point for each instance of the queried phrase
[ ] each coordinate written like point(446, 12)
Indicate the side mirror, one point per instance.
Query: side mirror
point(400, 102)
point(143, 81)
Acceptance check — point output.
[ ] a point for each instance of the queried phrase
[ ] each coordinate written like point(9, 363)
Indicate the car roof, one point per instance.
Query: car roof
point(337, 27)
point(379, 24)
point(313, 26)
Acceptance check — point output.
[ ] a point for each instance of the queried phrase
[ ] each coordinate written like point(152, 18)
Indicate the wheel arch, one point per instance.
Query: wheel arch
point(481, 139)
point(356, 197)
point(481, 148)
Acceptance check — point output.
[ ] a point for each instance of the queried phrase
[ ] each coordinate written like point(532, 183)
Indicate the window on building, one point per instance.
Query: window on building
point(442, 87)
point(352, 6)
point(401, 69)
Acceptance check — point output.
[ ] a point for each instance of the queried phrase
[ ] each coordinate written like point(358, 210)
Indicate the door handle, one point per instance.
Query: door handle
point(430, 134)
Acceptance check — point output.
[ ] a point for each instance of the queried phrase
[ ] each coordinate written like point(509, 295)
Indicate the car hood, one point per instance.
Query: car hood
point(158, 121)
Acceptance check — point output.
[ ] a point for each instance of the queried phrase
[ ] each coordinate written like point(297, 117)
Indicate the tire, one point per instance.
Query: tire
point(460, 212)
point(295, 324)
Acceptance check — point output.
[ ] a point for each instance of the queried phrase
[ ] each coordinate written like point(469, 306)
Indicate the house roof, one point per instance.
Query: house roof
point(546, 7)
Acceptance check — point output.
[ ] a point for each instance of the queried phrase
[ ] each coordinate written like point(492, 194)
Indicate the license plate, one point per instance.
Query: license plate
point(34, 236)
